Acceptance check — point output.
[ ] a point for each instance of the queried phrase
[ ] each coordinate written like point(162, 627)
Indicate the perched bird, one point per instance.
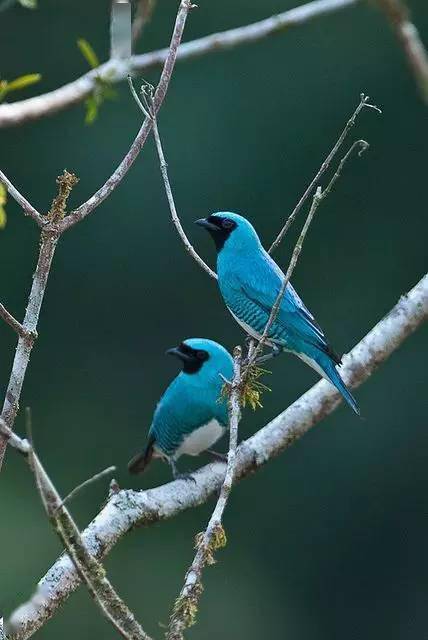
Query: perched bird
point(191, 415)
point(250, 281)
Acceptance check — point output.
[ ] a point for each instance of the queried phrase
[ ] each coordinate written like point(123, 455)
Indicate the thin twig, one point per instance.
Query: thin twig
point(27, 208)
point(94, 201)
point(12, 322)
point(86, 483)
point(74, 92)
point(323, 168)
point(149, 112)
point(21, 445)
point(128, 509)
point(408, 36)
point(214, 537)
point(319, 195)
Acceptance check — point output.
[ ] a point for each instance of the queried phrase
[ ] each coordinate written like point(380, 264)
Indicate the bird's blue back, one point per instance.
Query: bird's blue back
point(192, 400)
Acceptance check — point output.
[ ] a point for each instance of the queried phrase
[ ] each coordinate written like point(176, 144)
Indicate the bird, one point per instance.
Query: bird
point(192, 413)
point(250, 281)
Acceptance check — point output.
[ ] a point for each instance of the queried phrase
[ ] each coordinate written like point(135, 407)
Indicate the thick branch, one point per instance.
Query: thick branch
point(74, 92)
point(129, 508)
point(49, 239)
point(121, 171)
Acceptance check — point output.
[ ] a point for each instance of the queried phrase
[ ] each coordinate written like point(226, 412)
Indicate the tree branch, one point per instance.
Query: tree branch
point(127, 508)
point(28, 208)
point(94, 201)
point(408, 36)
point(74, 92)
point(49, 239)
point(12, 322)
point(89, 569)
point(214, 537)
point(55, 223)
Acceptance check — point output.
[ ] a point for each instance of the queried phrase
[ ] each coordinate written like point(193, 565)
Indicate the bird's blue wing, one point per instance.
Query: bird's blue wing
point(251, 293)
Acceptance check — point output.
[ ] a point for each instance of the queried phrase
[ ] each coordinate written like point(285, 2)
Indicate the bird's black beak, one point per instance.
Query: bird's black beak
point(176, 351)
point(206, 224)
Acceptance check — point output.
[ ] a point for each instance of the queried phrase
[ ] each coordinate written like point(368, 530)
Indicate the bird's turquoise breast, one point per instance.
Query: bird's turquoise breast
point(185, 407)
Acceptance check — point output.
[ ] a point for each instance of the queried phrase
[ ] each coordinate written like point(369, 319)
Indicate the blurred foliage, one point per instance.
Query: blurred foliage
point(103, 89)
point(329, 539)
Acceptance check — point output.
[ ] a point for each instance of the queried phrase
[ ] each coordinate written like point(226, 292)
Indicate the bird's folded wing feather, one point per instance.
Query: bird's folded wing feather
point(255, 294)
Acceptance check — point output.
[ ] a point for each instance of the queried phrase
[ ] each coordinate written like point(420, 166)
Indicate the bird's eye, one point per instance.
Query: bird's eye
point(227, 224)
point(201, 355)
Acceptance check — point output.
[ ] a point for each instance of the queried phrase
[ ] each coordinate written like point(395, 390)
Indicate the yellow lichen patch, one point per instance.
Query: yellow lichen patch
point(252, 389)
point(3, 198)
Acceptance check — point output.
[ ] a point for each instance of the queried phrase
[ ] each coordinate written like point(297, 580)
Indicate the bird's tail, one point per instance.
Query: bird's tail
point(327, 365)
point(139, 462)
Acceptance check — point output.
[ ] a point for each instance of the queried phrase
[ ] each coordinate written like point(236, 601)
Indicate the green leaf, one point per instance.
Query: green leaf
point(3, 218)
point(28, 4)
point(91, 105)
point(88, 53)
point(22, 82)
point(3, 195)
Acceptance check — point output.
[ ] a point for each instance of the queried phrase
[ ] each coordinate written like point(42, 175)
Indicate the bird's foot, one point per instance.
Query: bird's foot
point(185, 476)
point(217, 455)
point(276, 351)
point(180, 476)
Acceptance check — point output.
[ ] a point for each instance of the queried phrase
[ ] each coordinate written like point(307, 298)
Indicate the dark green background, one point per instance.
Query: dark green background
point(329, 540)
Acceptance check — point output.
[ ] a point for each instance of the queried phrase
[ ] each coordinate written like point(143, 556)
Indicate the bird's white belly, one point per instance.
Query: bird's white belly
point(201, 439)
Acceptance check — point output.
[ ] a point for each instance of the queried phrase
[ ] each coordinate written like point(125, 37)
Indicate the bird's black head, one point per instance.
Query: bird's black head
point(192, 359)
point(219, 226)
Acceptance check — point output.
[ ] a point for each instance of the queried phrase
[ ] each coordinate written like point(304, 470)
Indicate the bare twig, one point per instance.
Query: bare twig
point(214, 537)
point(408, 36)
point(362, 145)
point(127, 509)
point(86, 483)
point(149, 112)
point(94, 201)
point(364, 102)
point(12, 322)
point(27, 208)
point(76, 91)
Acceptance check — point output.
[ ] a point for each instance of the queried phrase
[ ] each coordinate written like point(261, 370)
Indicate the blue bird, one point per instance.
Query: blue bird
point(191, 415)
point(250, 281)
